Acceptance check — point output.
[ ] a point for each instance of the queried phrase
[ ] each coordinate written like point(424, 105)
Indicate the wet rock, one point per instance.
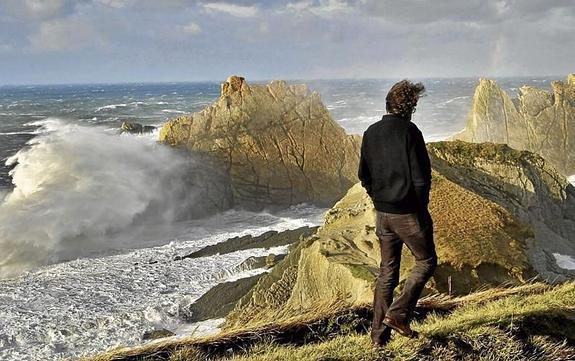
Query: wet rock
point(136, 128)
point(219, 300)
point(265, 240)
point(157, 334)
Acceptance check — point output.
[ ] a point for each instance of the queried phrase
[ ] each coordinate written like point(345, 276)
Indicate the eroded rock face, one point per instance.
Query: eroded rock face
point(277, 142)
point(498, 215)
point(538, 120)
point(523, 183)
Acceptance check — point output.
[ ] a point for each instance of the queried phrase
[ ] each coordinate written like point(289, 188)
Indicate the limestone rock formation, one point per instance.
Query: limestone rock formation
point(499, 214)
point(538, 120)
point(277, 142)
point(523, 183)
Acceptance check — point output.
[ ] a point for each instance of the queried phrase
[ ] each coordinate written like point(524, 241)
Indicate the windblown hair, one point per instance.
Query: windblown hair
point(402, 98)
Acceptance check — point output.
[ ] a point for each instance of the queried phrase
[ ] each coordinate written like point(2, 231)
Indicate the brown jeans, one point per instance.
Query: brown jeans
point(393, 230)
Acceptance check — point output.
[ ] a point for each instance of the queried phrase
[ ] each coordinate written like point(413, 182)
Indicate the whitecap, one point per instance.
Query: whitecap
point(18, 133)
point(111, 106)
point(453, 99)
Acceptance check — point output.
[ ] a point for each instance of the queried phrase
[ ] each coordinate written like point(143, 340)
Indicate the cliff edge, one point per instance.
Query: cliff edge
point(499, 217)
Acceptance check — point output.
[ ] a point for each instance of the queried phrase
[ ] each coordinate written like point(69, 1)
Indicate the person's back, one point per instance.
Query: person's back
point(396, 173)
point(392, 155)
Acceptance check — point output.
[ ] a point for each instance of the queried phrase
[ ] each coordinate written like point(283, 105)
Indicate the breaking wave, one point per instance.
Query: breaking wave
point(80, 190)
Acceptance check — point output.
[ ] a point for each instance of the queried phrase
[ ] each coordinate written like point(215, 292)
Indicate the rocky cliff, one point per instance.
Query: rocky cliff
point(277, 143)
point(538, 120)
point(523, 183)
point(499, 214)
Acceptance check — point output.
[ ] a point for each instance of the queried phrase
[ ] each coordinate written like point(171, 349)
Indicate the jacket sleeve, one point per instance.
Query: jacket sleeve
point(420, 165)
point(363, 172)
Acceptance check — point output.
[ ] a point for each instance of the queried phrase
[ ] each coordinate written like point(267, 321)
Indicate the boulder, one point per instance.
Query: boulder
point(277, 142)
point(136, 128)
point(498, 213)
point(538, 120)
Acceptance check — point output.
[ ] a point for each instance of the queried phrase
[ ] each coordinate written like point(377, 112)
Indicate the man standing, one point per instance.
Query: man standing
point(395, 171)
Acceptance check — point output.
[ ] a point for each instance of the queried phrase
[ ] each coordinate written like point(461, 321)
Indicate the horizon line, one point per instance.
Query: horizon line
point(260, 80)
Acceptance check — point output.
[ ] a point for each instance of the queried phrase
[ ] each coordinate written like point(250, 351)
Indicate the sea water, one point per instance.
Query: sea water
point(90, 220)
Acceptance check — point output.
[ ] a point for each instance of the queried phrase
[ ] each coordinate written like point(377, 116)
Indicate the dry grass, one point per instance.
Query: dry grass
point(470, 229)
point(513, 324)
point(486, 321)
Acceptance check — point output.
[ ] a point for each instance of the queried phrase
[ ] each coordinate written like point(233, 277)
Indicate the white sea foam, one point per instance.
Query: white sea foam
point(79, 189)
point(202, 328)
point(564, 261)
point(453, 100)
point(173, 111)
point(571, 179)
point(89, 305)
point(111, 106)
point(18, 133)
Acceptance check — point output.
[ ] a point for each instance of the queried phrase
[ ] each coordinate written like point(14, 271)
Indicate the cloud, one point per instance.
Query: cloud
point(39, 9)
point(240, 11)
point(64, 35)
point(192, 28)
point(6, 48)
point(321, 8)
point(283, 38)
point(476, 11)
point(118, 4)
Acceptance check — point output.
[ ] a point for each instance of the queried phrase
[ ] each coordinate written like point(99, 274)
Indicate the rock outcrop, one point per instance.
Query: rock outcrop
point(277, 142)
point(538, 120)
point(499, 214)
point(525, 184)
point(136, 128)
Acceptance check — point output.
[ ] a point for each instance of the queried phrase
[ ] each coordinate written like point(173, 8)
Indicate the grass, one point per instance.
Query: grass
point(507, 327)
point(529, 322)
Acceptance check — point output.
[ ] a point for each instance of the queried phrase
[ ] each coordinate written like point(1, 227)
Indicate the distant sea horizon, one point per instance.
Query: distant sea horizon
point(288, 79)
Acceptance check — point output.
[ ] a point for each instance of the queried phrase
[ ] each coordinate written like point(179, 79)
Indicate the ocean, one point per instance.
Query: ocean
point(91, 220)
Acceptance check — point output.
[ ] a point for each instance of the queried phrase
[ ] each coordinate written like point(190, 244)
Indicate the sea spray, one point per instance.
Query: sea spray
point(79, 190)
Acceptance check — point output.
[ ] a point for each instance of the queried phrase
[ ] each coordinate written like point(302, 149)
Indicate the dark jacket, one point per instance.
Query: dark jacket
point(394, 166)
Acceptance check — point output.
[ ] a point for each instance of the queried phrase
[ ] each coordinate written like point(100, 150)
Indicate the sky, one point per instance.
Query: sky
point(112, 41)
